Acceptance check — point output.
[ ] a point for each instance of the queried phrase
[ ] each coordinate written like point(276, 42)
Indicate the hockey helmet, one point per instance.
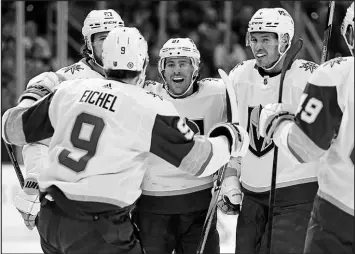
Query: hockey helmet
point(125, 49)
point(179, 47)
point(98, 21)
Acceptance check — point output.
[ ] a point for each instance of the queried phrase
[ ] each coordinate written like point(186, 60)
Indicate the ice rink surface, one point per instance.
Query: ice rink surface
point(16, 238)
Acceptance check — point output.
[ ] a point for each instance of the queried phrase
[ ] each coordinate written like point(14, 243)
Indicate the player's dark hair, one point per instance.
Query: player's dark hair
point(121, 74)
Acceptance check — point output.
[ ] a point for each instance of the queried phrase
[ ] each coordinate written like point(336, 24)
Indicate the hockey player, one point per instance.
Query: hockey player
point(96, 26)
point(324, 128)
point(172, 209)
point(256, 82)
point(101, 134)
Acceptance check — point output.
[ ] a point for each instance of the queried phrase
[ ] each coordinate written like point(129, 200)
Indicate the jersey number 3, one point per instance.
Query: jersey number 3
point(88, 144)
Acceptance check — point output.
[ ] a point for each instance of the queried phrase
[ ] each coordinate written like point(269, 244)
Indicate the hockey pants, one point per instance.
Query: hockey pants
point(289, 228)
point(60, 233)
point(330, 230)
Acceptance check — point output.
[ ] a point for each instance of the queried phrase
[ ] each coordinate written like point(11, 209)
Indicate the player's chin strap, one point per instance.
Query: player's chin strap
point(166, 87)
point(96, 66)
point(281, 56)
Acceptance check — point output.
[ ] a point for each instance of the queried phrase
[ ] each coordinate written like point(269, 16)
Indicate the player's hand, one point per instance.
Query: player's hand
point(230, 196)
point(270, 118)
point(41, 85)
point(27, 202)
point(237, 136)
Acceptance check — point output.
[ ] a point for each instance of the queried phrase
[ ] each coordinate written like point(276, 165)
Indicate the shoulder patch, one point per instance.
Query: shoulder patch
point(73, 68)
point(209, 80)
point(150, 83)
point(155, 95)
point(309, 66)
point(108, 86)
point(334, 61)
point(235, 67)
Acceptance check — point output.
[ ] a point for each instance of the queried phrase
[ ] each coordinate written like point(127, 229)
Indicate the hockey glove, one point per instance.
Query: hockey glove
point(27, 202)
point(237, 136)
point(41, 85)
point(230, 196)
point(271, 116)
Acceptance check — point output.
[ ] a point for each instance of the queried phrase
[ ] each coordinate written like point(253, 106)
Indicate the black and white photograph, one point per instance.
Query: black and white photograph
point(177, 127)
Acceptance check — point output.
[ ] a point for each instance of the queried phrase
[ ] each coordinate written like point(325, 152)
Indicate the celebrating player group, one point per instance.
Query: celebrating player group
point(118, 164)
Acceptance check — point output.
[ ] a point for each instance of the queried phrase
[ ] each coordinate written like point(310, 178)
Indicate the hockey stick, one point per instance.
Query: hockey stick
point(289, 58)
point(220, 176)
point(14, 162)
point(328, 31)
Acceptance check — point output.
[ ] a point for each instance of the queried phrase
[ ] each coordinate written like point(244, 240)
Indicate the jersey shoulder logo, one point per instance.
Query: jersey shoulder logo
point(335, 61)
point(258, 146)
point(149, 83)
point(73, 68)
point(108, 86)
point(238, 64)
point(309, 66)
point(155, 95)
point(209, 80)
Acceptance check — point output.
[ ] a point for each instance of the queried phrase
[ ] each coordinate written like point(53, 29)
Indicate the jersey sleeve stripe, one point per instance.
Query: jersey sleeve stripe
point(37, 118)
point(321, 127)
point(301, 146)
point(199, 157)
point(27, 125)
point(12, 126)
point(167, 142)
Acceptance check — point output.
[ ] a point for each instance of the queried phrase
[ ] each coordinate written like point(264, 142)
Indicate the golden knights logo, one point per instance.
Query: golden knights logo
point(334, 61)
point(258, 146)
point(73, 68)
point(309, 66)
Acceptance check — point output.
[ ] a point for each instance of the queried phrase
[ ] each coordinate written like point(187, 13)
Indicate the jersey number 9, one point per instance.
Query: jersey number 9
point(87, 144)
point(311, 110)
point(185, 129)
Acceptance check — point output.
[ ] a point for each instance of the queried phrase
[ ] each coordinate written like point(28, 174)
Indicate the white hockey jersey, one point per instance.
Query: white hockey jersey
point(35, 156)
point(102, 133)
point(204, 108)
point(254, 91)
point(79, 70)
point(325, 125)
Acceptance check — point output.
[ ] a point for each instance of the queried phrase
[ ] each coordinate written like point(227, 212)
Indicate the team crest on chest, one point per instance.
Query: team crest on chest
point(73, 68)
point(258, 146)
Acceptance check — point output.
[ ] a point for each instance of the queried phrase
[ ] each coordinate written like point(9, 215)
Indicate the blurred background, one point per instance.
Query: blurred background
point(46, 35)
